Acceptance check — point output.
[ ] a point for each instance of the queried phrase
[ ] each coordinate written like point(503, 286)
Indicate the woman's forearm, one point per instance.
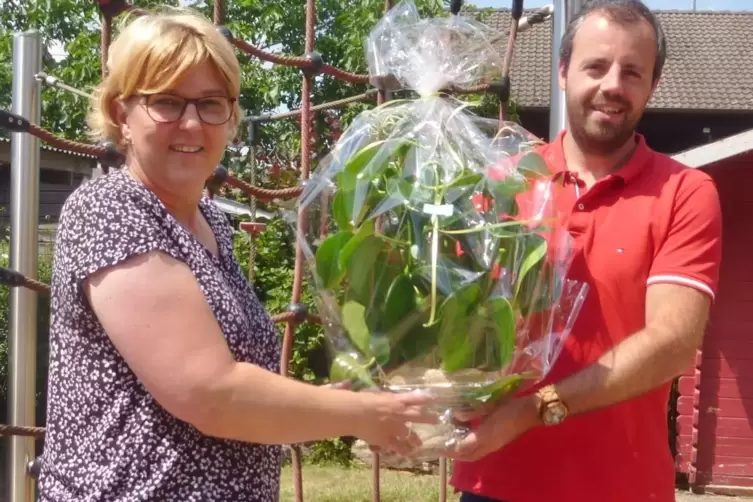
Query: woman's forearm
point(251, 404)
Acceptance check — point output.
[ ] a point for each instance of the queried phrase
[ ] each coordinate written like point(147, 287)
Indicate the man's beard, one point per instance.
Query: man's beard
point(595, 138)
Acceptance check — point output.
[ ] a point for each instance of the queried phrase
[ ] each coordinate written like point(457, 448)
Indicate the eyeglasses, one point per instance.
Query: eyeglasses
point(166, 108)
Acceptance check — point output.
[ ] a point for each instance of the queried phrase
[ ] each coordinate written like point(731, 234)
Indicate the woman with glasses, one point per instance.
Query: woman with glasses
point(163, 381)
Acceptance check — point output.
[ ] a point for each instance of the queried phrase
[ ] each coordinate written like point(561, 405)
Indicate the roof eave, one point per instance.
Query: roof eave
point(747, 110)
point(717, 151)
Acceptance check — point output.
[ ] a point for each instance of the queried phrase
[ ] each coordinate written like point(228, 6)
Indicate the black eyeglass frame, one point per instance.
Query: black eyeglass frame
point(144, 99)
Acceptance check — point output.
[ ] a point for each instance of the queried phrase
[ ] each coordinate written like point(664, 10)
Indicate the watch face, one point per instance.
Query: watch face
point(553, 416)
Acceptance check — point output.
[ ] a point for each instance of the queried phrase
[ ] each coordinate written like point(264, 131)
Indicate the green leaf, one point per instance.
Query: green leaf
point(466, 180)
point(376, 156)
point(456, 343)
point(327, 259)
point(451, 276)
point(343, 204)
point(400, 302)
point(354, 321)
point(398, 189)
point(355, 198)
point(380, 348)
point(419, 341)
point(360, 179)
point(503, 321)
point(507, 188)
point(362, 267)
point(533, 166)
point(534, 254)
point(497, 390)
point(346, 368)
point(355, 242)
point(362, 157)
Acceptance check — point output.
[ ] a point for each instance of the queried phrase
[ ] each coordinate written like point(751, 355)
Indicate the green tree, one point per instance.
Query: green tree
point(73, 26)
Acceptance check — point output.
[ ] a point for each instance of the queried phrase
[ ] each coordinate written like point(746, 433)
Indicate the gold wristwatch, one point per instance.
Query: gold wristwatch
point(552, 410)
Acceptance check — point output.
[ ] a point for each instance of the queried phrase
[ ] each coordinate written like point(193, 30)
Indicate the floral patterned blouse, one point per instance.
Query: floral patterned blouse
point(107, 438)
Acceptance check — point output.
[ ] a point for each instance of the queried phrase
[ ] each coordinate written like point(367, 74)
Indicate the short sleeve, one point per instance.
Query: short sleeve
point(105, 223)
point(691, 251)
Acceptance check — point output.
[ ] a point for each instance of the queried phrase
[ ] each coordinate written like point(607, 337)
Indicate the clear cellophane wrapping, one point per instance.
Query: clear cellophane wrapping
point(431, 235)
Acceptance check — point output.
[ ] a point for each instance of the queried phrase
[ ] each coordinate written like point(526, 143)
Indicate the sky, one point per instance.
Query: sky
point(653, 4)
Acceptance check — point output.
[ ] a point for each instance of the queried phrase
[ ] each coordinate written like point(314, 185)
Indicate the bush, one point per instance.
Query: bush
point(44, 274)
point(274, 267)
point(44, 271)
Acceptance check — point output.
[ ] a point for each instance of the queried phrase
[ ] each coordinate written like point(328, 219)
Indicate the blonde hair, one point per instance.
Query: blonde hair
point(151, 54)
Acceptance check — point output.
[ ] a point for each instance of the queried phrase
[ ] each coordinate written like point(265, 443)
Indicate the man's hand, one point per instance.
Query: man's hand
point(476, 413)
point(501, 426)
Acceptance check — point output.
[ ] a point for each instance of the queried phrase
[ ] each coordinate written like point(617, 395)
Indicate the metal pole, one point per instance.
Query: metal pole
point(24, 215)
point(564, 11)
point(557, 111)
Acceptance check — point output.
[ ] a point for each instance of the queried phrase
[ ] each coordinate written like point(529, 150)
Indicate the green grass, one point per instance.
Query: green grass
point(338, 484)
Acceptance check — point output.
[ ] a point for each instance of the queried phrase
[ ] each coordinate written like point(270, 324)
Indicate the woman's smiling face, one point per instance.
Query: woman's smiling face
point(180, 152)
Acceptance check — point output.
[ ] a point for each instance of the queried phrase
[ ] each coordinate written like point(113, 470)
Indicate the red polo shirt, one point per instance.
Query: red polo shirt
point(653, 221)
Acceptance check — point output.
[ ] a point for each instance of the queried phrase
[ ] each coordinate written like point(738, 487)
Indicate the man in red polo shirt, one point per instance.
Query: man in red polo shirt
point(647, 232)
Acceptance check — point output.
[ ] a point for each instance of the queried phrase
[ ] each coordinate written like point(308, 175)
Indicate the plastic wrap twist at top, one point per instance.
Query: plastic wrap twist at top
point(427, 55)
point(432, 237)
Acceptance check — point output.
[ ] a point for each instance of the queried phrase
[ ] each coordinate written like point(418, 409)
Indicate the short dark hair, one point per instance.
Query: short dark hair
point(623, 12)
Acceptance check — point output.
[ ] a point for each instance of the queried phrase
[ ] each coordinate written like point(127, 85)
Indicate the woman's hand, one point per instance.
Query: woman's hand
point(344, 385)
point(385, 419)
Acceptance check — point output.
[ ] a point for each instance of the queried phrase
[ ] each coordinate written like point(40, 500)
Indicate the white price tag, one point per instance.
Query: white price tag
point(437, 210)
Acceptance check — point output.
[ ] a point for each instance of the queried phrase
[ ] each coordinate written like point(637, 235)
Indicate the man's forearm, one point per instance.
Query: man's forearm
point(639, 364)
point(676, 319)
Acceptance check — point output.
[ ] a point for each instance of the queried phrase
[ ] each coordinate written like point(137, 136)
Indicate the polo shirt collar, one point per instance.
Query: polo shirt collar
point(628, 172)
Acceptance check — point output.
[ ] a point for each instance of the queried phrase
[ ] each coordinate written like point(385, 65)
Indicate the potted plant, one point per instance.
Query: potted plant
point(433, 244)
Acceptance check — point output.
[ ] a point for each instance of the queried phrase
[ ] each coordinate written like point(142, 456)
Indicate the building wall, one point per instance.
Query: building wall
point(60, 174)
point(715, 408)
point(54, 189)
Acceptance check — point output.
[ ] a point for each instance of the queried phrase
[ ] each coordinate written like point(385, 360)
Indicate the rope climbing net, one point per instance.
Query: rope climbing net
point(311, 65)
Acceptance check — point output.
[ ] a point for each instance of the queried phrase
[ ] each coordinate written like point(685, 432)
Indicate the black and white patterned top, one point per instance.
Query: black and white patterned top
point(107, 438)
